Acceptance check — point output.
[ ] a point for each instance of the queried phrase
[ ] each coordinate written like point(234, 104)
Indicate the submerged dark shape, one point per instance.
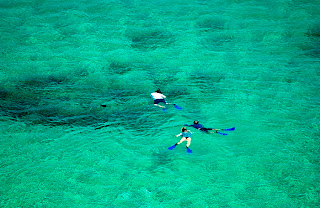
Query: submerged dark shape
point(150, 39)
point(42, 81)
point(216, 42)
point(211, 30)
point(209, 23)
point(49, 114)
point(118, 68)
point(46, 100)
point(314, 32)
point(313, 49)
point(3, 93)
point(161, 158)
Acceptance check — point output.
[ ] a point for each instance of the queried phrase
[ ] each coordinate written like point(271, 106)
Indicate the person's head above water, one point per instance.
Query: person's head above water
point(196, 122)
point(183, 129)
point(158, 91)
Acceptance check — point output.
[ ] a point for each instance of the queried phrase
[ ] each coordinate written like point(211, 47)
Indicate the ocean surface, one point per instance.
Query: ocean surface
point(252, 65)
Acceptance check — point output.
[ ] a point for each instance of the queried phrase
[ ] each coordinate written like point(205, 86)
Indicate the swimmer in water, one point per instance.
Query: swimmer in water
point(158, 98)
point(186, 136)
point(200, 127)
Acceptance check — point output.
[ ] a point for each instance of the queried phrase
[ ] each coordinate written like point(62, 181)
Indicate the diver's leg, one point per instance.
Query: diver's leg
point(182, 140)
point(188, 142)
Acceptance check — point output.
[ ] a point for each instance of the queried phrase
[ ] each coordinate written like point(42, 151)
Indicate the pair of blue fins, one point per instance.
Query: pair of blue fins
point(190, 151)
point(174, 146)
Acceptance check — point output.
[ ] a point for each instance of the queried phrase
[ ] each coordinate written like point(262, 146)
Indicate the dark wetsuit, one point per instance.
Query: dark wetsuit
point(200, 127)
point(157, 101)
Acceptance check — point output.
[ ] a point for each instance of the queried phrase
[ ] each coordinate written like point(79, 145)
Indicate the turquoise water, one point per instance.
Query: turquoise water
point(249, 64)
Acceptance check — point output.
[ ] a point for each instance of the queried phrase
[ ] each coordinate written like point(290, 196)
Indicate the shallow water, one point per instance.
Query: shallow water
point(230, 63)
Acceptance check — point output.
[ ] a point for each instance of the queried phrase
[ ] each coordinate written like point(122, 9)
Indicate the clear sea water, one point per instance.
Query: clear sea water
point(254, 65)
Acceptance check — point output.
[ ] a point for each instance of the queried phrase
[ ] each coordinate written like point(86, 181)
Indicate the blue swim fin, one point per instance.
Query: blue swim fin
point(222, 133)
point(177, 107)
point(172, 147)
point(231, 129)
point(189, 150)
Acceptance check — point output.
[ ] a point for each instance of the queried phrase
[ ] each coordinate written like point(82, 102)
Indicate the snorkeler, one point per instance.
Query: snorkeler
point(206, 130)
point(186, 136)
point(158, 98)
